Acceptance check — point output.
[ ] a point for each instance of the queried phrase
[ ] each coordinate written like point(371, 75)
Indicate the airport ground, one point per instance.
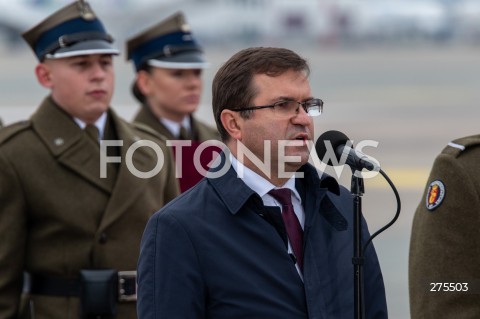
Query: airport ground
point(411, 101)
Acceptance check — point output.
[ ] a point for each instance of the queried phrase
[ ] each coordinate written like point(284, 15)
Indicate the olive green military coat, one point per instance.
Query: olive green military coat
point(445, 240)
point(201, 131)
point(57, 216)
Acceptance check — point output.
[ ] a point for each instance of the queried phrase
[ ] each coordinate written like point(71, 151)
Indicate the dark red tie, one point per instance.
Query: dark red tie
point(294, 230)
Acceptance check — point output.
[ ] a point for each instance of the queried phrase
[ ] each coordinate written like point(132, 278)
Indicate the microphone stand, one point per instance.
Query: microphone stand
point(357, 190)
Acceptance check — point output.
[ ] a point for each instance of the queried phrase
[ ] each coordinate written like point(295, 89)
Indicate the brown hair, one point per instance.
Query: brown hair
point(232, 86)
point(135, 89)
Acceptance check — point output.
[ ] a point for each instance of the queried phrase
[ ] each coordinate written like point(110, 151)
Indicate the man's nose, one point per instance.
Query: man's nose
point(302, 117)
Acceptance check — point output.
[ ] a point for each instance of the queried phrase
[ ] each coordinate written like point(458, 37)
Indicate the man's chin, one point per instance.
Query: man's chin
point(99, 107)
point(302, 154)
point(96, 110)
point(296, 160)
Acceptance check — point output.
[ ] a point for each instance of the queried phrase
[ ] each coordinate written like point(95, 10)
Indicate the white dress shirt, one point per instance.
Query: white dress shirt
point(174, 127)
point(100, 124)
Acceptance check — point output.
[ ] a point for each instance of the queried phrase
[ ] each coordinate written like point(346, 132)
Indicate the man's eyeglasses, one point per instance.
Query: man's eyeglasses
point(289, 108)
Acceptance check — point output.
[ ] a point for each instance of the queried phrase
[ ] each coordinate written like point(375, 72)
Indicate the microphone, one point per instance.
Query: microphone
point(341, 147)
point(336, 145)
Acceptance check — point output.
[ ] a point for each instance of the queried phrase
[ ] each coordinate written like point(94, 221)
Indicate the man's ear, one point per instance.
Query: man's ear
point(44, 76)
point(232, 122)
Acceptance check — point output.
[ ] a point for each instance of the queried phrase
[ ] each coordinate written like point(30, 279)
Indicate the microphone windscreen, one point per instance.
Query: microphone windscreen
point(335, 138)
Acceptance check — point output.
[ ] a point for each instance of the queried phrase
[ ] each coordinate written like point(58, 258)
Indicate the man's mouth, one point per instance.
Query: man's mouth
point(302, 137)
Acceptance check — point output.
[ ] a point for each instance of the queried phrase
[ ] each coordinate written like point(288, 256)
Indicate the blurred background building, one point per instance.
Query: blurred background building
point(331, 22)
point(403, 73)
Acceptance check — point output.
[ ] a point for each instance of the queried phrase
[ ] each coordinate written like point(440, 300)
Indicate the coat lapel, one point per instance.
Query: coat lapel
point(67, 143)
point(322, 220)
point(146, 117)
point(128, 187)
point(200, 131)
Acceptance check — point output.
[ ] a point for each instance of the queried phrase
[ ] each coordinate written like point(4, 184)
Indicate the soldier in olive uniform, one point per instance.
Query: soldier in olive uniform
point(71, 231)
point(444, 265)
point(169, 63)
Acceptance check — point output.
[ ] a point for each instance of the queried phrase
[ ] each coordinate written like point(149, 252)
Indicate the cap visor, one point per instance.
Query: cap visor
point(84, 48)
point(185, 60)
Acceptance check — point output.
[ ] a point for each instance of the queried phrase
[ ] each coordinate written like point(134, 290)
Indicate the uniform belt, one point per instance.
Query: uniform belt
point(57, 286)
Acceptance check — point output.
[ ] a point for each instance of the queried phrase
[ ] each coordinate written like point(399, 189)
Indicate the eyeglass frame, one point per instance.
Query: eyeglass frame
point(272, 106)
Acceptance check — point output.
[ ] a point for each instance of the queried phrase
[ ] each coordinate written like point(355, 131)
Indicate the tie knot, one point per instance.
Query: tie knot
point(184, 134)
point(283, 195)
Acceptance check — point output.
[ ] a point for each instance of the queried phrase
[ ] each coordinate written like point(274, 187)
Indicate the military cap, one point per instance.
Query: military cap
point(71, 31)
point(168, 44)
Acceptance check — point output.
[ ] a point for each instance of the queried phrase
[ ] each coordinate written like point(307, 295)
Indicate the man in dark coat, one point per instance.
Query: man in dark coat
point(71, 214)
point(262, 236)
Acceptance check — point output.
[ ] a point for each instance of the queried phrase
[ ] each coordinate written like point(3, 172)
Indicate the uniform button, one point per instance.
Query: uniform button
point(58, 141)
point(103, 238)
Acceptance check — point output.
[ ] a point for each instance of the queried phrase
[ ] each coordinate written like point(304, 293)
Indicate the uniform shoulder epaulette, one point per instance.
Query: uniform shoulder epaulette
point(9, 131)
point(456, 147)
point(147, 129)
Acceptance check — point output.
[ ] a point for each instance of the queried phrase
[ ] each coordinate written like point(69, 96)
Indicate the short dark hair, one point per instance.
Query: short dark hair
point(232, 85)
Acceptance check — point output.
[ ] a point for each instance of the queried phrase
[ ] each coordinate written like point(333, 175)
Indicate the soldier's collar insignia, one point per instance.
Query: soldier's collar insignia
point(435, 194)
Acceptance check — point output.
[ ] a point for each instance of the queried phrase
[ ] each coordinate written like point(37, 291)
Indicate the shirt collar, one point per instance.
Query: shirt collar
point(234, 194)
point(174, 127)
point(257, 183)
point(100, 123)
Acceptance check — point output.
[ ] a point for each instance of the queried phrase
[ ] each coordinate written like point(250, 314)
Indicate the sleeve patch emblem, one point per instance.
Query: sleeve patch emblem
point(435, 195)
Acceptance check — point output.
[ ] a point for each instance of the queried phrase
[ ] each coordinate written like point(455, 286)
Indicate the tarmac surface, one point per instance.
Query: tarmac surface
point(411, 101)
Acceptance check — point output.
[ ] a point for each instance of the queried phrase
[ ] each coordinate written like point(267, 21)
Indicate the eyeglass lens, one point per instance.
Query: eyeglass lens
point(288, 108)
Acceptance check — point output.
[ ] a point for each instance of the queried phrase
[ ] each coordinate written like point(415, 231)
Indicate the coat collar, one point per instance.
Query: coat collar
point(65, 140)
point(322, 188)
point(231, 189)
point(55, 127)
point(235, 193)
point(128, 187)
point(146, 116)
